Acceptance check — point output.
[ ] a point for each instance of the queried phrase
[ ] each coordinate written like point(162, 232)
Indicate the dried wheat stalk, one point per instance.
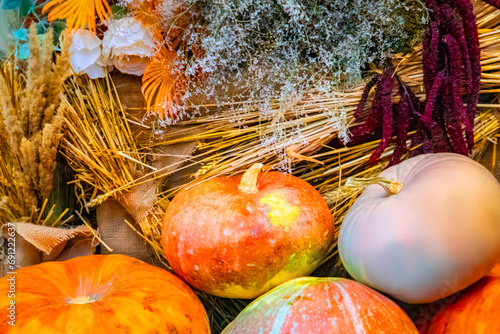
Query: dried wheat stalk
point(31, 130)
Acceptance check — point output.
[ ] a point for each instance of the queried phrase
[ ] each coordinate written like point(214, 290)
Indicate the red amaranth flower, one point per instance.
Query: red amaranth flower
point(450, 53)
point(471, 35)
point(383, 114)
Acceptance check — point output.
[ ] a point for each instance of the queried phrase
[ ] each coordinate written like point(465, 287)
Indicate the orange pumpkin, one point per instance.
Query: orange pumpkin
point(471, 311)
point(240, 236)
point(98, 294)
point(322, 305)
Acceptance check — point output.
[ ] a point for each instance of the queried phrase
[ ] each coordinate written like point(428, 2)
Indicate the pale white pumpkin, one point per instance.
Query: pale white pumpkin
point(439, 234)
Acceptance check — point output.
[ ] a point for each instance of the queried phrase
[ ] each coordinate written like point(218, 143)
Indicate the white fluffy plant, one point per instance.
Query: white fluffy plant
point(281, 57)
point(283, 48)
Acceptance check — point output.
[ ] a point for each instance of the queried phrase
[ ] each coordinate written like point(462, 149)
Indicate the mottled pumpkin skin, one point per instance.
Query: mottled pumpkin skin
point(127, 296)
point(322, 305)
point(239, 245)
point(437, 236)
point(471, 311)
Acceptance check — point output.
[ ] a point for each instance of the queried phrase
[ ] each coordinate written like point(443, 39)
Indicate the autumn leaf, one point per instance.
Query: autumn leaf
point(163, 86)
point(164, 82)
point(78, 13)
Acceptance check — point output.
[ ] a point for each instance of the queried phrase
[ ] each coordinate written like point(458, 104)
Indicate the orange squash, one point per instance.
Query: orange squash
point(240, 236)
point(471, 311)
point(112, 294)
point(322, 305)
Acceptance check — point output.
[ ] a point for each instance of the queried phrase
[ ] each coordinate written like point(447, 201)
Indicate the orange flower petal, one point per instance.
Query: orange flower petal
point(78, 13)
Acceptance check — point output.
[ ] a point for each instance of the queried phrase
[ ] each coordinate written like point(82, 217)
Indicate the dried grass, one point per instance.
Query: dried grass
point(97, 137)
point(30, 132)
point(102, 151)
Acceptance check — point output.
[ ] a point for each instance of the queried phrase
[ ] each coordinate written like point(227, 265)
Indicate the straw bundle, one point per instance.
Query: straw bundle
point(102, 151)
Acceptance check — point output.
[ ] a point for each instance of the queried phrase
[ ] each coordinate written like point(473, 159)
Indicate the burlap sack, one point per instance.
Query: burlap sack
point(139, 202)
point(117, 234)
point(137, 205)
point(36, 243)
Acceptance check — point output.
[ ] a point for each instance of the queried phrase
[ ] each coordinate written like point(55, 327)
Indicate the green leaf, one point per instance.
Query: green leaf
point(41, 28)
point(25, 7)
point(21, 34)
point(10, 4)
point(119, 12)
point(58, 27)
point(24, 51)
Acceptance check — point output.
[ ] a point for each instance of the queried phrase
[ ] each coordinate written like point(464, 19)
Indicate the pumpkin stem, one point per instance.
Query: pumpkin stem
point(82, 300)
point(248, 183)
point(390, 186)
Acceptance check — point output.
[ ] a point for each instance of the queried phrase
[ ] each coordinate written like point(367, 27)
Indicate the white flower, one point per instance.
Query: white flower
point(85, 51)
point(128, 45)
point(131, 64)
